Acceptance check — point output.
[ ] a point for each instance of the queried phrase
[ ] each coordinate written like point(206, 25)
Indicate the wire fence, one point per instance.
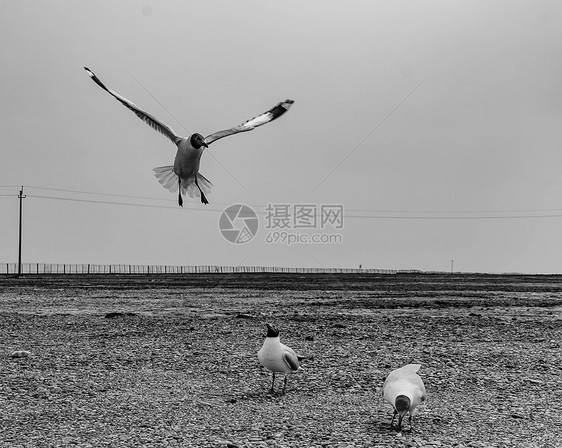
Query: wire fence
point(51, 268)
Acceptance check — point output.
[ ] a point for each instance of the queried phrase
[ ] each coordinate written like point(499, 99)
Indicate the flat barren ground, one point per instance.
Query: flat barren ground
point(170, 361)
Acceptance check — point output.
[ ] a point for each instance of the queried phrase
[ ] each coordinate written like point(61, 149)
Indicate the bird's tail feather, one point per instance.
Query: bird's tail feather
point(204, 183)
point(191, 189)
point(167, 177)
point(411, 368)
point(169, 180)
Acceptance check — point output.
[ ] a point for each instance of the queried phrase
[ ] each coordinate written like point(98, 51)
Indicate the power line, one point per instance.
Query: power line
point(117, 195)
point(352, 210)
point(129, 204)
point(455, 211)
point(453, 217)
point(99, 194)
point(420, 217)
point(349, 213)
point(265, 206)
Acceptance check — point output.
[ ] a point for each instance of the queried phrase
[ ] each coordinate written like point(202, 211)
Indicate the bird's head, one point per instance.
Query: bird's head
point(402, 406)
point(272, 332)
point(197, 141)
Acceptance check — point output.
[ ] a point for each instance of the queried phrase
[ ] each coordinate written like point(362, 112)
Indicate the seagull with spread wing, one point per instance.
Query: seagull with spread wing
point(184, 175)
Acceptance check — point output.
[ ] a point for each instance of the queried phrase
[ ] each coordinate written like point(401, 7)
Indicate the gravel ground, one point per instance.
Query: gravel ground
point(176, 365)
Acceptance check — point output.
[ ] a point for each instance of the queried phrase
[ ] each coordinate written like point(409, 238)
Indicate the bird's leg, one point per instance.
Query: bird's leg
point(272, 383)
point(410, 421)
point(400, 417)
point(393, 417)
point(180, 199)
point(285, 384)
point(203, 198)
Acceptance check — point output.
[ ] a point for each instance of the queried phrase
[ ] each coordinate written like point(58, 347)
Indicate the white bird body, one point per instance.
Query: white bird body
point(404, 382)
point(184, 174)
point(277, 357)
point(188, 158)
point(186, 166)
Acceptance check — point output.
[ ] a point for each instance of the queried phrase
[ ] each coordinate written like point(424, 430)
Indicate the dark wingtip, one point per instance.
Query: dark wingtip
point(287, 104)
point(280, 109)
point(95, 78)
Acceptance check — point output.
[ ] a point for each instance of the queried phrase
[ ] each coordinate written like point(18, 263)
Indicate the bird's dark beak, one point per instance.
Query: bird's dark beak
point(204, 144)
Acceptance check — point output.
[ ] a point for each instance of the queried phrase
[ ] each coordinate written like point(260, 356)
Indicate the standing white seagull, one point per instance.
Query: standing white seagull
point(277, 357)
point(404, 390)
point(184, 175)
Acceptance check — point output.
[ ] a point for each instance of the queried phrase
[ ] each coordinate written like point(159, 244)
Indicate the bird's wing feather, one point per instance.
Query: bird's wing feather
point(403, 372)
point(423, 395)
point(418, 382)
point(266, 117)
point(401, 380)
point(143, 115)
point(291, 360)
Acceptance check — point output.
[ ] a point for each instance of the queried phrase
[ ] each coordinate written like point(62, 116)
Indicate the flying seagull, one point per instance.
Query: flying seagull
point(184, 175)
point(404, 390)
point(277, 357)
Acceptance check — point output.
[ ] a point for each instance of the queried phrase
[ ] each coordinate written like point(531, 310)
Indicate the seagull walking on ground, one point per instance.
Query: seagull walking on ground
point(184, 176)
point(277, 357)
point(405, 391)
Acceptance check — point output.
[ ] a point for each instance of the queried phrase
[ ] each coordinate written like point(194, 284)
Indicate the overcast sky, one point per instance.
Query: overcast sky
point(461, 102)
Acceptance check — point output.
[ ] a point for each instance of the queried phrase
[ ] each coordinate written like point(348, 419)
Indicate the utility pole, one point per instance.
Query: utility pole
point(452, 261)
point(20, 196)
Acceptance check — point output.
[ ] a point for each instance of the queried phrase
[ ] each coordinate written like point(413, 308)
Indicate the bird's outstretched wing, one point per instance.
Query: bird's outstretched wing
point(266, 117)
point(144, 116)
